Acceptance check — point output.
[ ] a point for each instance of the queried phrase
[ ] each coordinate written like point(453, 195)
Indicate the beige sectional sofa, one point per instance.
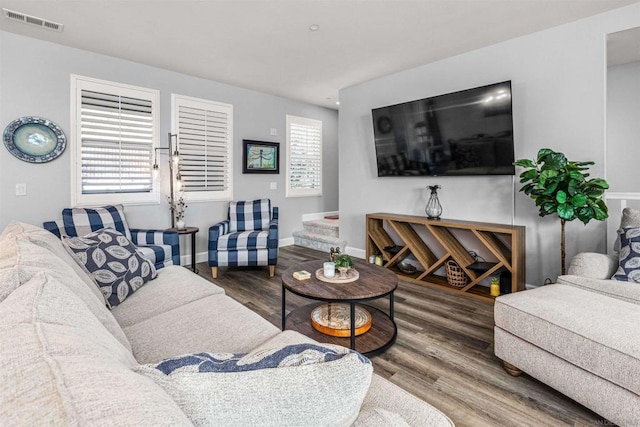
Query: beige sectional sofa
point(579, 336)
point(65, 359)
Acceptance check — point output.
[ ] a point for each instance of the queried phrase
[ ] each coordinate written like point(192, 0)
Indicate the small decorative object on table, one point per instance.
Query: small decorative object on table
point(333, 253)
point(301, 275)
point(178, 207)
point(343, 264)
point(329, 269)
point(433, 208)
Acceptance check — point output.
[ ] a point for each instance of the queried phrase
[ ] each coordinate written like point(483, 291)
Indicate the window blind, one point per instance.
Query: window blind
point(204, 131)
point(116, 136)
point(304, 156)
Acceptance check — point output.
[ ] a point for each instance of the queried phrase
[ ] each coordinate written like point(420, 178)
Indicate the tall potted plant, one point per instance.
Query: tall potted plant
point(559, 186)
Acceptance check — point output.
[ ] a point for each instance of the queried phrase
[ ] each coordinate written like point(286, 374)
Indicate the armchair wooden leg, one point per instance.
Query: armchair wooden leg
point(272, 270)
point(511, 370)
point(214, 272)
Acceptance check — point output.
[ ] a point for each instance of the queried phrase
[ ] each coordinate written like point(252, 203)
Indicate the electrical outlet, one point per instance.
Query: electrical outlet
point(21, 189)
point(274, 185)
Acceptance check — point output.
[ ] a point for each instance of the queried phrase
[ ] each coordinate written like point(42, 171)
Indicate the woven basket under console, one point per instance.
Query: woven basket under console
point(456, 275)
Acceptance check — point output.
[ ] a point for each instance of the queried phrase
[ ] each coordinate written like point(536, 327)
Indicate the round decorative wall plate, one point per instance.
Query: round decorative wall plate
point(34, 139)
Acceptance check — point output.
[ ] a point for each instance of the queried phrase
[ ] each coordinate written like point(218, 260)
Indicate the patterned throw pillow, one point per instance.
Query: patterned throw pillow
point(292, 355)
point(629, 264)
point(284, 386)
point(113, 262)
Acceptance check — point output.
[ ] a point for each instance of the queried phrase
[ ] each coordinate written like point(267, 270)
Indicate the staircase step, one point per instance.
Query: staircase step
point(326, 227)
point(320, 242)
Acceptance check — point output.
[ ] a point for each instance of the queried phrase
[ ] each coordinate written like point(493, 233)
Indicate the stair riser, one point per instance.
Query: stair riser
point(320, 229)
point(317, 241)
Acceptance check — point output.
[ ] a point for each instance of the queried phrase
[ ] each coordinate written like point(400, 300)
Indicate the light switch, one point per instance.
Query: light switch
point(274, 132)
point(21, 189)
point(274, 185)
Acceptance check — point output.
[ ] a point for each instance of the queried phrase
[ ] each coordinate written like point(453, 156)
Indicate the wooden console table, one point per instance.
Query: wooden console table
point(434, 242)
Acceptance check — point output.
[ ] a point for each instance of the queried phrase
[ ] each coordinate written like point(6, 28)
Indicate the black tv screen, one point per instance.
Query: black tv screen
point(462, 133)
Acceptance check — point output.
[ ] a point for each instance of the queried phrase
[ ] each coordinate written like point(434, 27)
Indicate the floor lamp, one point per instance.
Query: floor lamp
point(173, 163)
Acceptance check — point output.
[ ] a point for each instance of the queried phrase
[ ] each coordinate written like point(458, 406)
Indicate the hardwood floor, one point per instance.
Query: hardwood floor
point(443, 353)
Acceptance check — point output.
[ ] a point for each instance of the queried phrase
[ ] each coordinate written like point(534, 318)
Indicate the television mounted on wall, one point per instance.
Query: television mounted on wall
point(464, 133)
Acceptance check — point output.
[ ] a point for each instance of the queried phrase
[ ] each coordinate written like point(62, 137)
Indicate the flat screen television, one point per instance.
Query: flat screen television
point(462, 133)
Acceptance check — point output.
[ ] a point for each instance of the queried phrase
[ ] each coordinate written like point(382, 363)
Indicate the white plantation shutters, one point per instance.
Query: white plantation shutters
point(115, 133)
point(304, 157)
point(205, 136)
point(117, 143)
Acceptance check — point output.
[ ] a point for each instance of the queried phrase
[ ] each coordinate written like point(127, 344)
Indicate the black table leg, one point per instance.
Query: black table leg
point(193, 253)
point(352, 320)
point(284, 316)
point(391, 305)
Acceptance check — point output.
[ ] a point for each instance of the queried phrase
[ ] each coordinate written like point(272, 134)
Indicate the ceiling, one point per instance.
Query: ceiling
point(267, 45)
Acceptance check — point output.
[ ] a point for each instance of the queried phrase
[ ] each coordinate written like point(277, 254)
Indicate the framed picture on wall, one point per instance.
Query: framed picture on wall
point(260, 157)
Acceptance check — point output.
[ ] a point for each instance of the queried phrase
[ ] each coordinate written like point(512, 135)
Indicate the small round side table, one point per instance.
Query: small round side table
point(192, 231)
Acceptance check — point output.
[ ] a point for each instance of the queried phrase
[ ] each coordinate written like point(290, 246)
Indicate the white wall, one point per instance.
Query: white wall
point(558, 83)
point(34, 80)
point(623, 127)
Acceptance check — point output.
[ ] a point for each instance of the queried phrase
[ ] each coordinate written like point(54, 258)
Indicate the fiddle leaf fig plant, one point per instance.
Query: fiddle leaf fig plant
point(563, 187)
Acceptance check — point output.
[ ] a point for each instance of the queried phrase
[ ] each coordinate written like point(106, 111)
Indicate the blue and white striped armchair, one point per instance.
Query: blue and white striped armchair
point(248, 237)
point(159, 246)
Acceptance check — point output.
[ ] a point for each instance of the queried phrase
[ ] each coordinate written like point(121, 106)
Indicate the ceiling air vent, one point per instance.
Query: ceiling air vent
point(33, 20)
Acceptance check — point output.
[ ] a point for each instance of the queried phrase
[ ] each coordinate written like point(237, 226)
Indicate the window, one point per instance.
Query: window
point(304, 157)
point(114, 131)
point(205, 142)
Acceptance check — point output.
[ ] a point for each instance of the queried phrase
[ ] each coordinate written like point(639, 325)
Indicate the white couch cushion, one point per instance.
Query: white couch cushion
point(59, 366)
point(303, 384)
point(49, 241)
point(214, 324)
point(385, 403)
point(593, 265)
point(21, 259)
point(587, 329)
point(387, 396)
point(174, 287)
point(46, 301)
point(378, 417)
point(626, 291)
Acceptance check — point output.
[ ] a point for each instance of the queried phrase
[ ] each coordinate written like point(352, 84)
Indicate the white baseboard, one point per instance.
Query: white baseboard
point(355, 252)
point(319, 215)
point(200, 257)
point(288, 241)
